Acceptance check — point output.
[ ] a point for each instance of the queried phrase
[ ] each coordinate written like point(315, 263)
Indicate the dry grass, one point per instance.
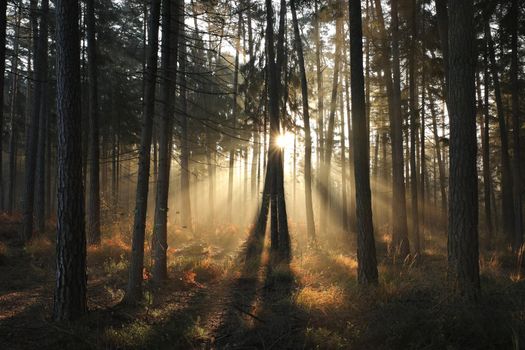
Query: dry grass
point(213, 300)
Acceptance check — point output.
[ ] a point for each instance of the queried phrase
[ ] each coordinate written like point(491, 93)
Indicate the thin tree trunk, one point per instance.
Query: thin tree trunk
point(310, 223)
point(487, 178)
point(187, 221)
point(414, 116)
point(329, 142)
point(93, 229)
point(32, 133)
point(507, 197)
point(13, 129)
point(399, 217)
point(3, 24)
point(516, 128)
point(441, 166)
point(134, 290)
point(170, 11)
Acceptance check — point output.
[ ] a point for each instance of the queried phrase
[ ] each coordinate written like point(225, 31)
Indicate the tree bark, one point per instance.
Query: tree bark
point(70, 291)
point(3, 24)
point(134, 289)
point(507, 197)
point(463, 251)
point(517, 242)
point(414, 116)
point(399, 218)
point(310, 223)
point(32, 132)
point(366, 253)
point(93, 229)
point(170, 11)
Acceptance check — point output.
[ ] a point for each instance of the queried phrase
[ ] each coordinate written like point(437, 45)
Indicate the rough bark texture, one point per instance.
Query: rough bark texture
point(463, 252)
point(366, 252)
point(70, 292)
point(93, 228)
point(134, 290)
point(170, 17)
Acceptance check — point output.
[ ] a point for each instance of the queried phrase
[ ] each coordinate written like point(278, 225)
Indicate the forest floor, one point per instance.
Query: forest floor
point(211, 302)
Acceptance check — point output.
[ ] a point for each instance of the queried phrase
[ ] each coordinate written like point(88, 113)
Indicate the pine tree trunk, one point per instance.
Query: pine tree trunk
point(310, 223)
point(32, 132)
point(366, 253)
point(134, 289)
point(3, 23)
point(414, 116)
point(441, 166)
point(70, 292)
point(329, 142)
point(517, 242)
point(399, 218)
point(93, 193)
point(463, 251)
point(13, 129)
point(507, 197)
point(485, 144)
point(170, 10)
point(186, 215)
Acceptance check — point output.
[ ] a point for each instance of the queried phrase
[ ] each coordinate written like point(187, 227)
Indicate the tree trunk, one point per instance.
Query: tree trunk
point(366, 253)
point(441, 166)
point(93, 229)
point(399, 225)
point(134, 289)
point(485, 144)
point(414, 116)
point(13, 129)
point(320, 92)
point(329, 142)
point(463, 251)
point(310, 223)
point(3, 24)
point(516, 128)
point(170, 31)
point(186, 215)
point(32, 133)
point(507, 197)
point(70, 291)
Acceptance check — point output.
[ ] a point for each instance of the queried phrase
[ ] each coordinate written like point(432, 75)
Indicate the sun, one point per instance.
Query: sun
point(285, 140)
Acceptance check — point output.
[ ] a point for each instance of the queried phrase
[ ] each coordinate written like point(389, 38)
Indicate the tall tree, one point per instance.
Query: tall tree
point(516, 128)
point(399, 217)
point(507, 196)
point(70, 291)
point(329, 142)
point(414, 118)
point(184, 141)
point(3, 21)
point(134, 290)
point(463, 251)
point(32, 131)
point(93, 228)
point(366, 252)
point(310, 224)
point(170, 32)
point(40, 193)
